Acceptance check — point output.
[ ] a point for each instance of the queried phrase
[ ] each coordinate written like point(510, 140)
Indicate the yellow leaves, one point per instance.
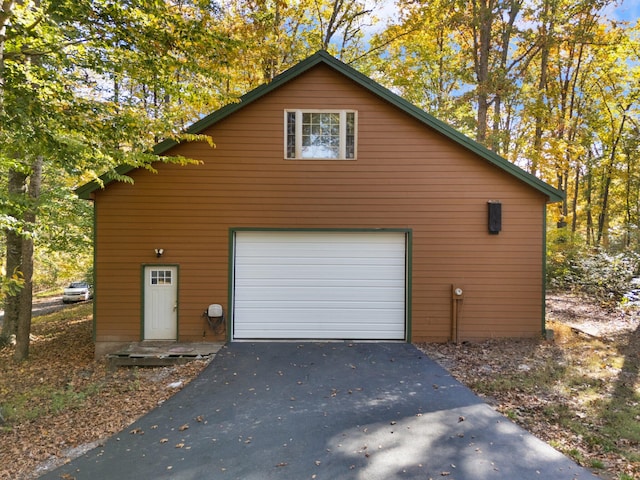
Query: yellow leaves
point(13, 284)
point(198, 138)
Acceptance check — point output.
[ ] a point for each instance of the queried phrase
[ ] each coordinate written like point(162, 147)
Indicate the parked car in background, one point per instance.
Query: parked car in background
point(77, 292)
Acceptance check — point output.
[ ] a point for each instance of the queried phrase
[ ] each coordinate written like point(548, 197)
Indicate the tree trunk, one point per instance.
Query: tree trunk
point(23, 331)
point(497, 140)
point(630, 195)
point(16, 189)
point(12, 300)
point(546, 31)
point(604, 205)
point(603, 218)
point(483, 20)
point(332, 26)
point(588, 200)
point(26, 294)
point(574, 202)
point(5, 19)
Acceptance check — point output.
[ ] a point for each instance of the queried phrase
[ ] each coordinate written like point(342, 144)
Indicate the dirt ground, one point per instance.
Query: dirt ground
point(61, 402)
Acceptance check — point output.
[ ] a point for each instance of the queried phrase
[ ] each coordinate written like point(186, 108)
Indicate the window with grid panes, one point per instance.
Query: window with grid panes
point(160, 277)
point(320, 135)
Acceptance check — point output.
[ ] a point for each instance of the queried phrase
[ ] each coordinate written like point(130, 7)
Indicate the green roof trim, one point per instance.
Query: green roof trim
point(323, 57)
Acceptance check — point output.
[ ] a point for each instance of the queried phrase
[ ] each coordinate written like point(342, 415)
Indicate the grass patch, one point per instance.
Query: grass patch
point(43, 400)
point(543, 377)
point(72, 313)
point(48, 292)
point(600, 400)
point(621, 425)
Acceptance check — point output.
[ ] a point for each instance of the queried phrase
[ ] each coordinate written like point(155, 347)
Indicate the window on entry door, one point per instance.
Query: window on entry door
point(161, 277)
point(320, 135)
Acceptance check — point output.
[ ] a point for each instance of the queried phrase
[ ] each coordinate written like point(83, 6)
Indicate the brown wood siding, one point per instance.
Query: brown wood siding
point(405, 176)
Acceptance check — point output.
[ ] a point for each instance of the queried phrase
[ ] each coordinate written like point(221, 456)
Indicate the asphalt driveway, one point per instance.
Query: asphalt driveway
point(323, 411)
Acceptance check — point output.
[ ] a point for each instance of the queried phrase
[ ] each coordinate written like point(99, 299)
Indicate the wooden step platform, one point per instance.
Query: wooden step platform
point(159, 354)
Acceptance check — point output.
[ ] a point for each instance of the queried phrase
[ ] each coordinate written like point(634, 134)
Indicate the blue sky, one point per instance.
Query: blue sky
point(629, 11)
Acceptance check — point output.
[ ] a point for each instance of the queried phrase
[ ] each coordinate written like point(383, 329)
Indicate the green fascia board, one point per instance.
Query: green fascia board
point(553, 194)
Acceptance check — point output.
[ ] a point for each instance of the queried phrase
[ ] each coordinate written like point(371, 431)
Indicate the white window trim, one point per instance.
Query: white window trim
point(343, 133)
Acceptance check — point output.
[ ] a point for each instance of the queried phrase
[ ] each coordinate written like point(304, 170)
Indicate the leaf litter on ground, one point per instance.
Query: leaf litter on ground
point(573, 392)
point(62, 402)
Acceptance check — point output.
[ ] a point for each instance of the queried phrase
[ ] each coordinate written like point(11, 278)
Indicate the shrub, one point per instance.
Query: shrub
point(605, 276)
point(601, 275)
point(563, 254)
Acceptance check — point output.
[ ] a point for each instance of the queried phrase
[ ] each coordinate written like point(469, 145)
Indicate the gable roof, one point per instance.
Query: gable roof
point(323, 57)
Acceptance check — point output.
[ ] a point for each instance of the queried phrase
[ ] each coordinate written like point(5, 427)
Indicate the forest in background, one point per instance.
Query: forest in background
point(88, 85)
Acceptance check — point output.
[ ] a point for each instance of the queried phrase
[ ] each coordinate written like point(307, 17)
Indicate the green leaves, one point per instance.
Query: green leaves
point(87, 87)
point(91, 85)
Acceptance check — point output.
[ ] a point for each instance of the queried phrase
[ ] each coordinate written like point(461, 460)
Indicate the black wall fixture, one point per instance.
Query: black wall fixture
point(495, 217)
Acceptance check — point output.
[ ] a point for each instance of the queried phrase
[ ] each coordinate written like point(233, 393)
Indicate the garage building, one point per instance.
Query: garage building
point(329, 209)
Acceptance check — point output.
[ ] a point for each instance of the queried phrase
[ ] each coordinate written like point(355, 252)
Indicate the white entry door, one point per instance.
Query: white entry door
point(160, 303)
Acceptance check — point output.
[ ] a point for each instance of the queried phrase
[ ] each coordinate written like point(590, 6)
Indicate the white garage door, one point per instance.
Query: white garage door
point(319, 285)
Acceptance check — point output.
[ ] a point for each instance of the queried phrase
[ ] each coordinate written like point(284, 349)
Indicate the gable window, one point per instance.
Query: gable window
point(320, 134)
